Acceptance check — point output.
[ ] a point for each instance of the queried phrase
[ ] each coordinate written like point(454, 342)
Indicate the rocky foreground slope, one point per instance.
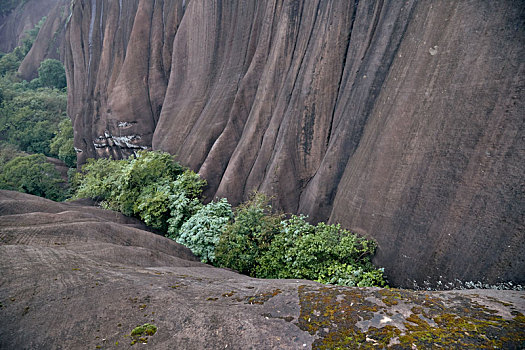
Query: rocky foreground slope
point(79, 277)
point(401, 120)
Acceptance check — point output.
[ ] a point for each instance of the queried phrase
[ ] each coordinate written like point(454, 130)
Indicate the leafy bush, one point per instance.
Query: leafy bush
point(62, 144)
point(51, 74)
point(325, 253)
point(254, 241)
point(34, 175)
point(150, 185)
point(99, 180)
point(201, 233)
point(166, 204)
point(246, 239)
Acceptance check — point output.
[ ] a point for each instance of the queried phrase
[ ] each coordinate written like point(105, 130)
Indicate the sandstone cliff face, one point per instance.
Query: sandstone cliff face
point(50, 42)
point(118, 64)
point(21, 19)
point(401, 120)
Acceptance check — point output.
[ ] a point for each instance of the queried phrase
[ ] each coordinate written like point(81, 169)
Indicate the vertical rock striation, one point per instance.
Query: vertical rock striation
point(23, 17)
point(401, 120)
point(50, 42)
point(118, 62)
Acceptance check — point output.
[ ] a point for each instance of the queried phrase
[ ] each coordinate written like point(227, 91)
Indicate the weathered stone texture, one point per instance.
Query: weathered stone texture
point(76, 277)
point(50, 42)
point(22, 18)
point(402, 120)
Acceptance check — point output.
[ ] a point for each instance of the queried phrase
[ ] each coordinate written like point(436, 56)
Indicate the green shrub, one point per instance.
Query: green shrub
point(34, 175)
point(247, 238)
point(118, 184)
point(62, 144)
point(166, 204)
point(324, 253)
point(51, 73)
point(150, 185)
point(100, 180)
point(254, 241)
point(184, 201)
point(201, 233)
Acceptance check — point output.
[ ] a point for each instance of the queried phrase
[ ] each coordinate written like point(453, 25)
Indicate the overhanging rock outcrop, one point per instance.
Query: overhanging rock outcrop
point(75, 277)
point(402, 120)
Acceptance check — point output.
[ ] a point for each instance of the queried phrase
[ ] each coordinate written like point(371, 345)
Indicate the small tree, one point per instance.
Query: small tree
point(245, 240)
point(51, 73)
point(201, 233)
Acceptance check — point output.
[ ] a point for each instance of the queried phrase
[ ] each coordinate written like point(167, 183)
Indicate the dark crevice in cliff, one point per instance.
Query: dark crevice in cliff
point(342, 71)
point(377, 14)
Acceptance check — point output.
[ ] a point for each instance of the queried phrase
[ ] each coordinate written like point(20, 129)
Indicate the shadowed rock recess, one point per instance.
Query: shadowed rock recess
point(401, 120)
point(79, 277)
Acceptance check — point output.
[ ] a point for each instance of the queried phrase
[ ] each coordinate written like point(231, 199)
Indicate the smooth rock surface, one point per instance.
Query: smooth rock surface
point(50, 42)
point(76, 277)
point(22, 18)
point(401, 120)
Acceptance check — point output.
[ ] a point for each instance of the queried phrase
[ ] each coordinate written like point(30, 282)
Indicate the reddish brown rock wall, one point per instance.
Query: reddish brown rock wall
point(22, 18)
point(401, 120)
point(50, 41)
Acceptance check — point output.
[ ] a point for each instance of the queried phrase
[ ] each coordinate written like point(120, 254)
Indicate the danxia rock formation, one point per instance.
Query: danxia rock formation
point(50, 42)
point(79, 277)
point(21, 18)
point(401, 120)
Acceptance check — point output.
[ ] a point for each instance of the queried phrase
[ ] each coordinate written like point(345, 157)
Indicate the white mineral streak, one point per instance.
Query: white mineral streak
point(101, 14)
point(120, 10)
point(90, 37)
point(126, 141)
point(124, 124)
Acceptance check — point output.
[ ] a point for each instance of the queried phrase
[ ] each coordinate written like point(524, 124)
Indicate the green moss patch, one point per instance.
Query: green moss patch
point(141, 333)
point(346, 318)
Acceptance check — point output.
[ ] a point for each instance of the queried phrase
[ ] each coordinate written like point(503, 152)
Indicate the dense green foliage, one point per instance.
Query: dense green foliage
point(32, 174)
point(62, 144)
point(52, 74)
point(33, 119)
point(245, 240)
point(150, 185)
point(30, 118)
point(325, 253)
point(253, 240)
point(202, 232)
point(10, 62)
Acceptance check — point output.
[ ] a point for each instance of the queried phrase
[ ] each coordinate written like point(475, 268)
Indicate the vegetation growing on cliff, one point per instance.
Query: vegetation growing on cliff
point(33, 125)
point(7, 6)
point(251, 239)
